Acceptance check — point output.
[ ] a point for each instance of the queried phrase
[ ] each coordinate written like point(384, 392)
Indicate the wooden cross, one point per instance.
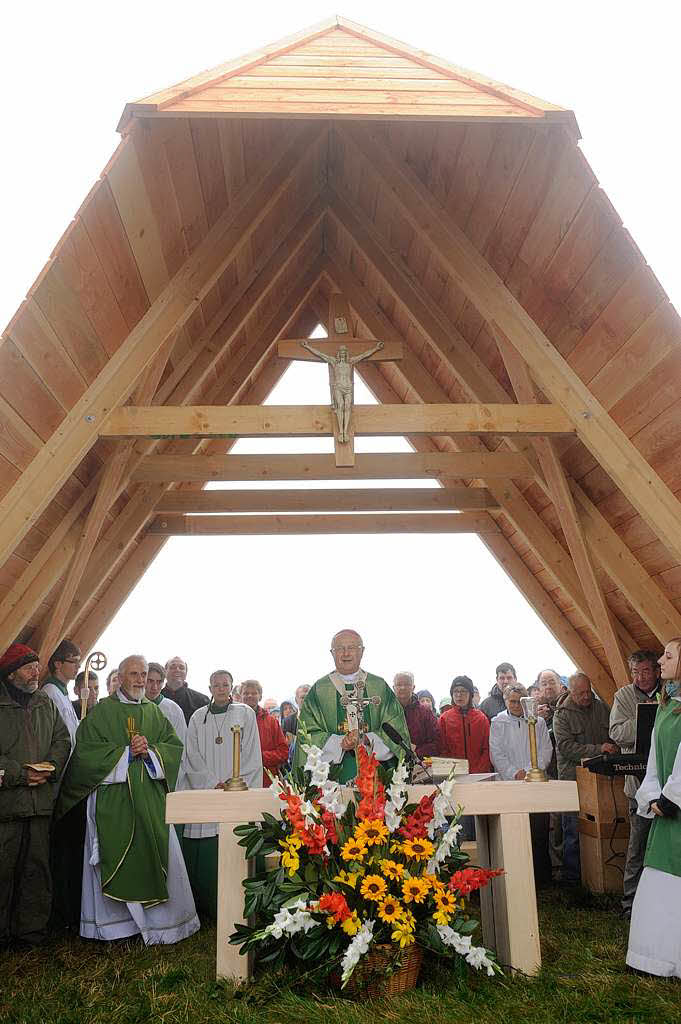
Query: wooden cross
point(342, 331)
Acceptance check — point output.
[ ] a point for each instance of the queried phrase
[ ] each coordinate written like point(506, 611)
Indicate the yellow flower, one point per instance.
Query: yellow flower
point(436, 885)
point(403, 936)
point(441, 917)
point(409, 919)
point(354, 850)
point(351, 925)
point(391, 869)
point(290, 861)
point(293, 841)
point(371, 832)
point(390, 909)
point(414, 889)
point(419, 849)
point(373, 888)
point(395, 847)
point(446, 902)
point(348, 877)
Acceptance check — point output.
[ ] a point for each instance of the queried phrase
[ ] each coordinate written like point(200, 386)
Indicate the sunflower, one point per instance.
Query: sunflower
point(403, 935)
point(391, 869)
point(348, 877)
point(446, 901)
point(441, 917)
point(373, 888)
point(371, 832)
point(419, 849)
point(354, 849)
point(436, 885)
point(351, 925)
point(390, 909)
point(414, 889)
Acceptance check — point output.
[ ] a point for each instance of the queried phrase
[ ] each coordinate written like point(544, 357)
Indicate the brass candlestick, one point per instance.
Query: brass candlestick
point(236, 784)
point(535, 774)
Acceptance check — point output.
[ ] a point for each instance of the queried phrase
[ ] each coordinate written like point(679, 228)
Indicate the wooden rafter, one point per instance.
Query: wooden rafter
point(22, 505)
point(569, 520)
point(620, 458)
point(605, 544)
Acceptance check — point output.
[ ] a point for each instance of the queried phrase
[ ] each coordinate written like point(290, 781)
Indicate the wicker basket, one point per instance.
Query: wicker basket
point(369, 978)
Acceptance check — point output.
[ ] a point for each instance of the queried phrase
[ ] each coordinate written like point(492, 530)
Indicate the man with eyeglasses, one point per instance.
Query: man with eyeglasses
point(63, 668)
point(643, 689)
point(325, 721)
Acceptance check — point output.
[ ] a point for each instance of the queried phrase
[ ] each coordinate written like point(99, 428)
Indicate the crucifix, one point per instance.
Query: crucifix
point(355, 702)
point(341, 351)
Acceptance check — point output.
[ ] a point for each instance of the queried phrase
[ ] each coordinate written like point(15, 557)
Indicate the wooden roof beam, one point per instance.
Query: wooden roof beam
point(54, 463)
point(569, 520)
point(321, 499)
point(486, 291)
point(303, 524)
point(546, 547)
point(605, 544)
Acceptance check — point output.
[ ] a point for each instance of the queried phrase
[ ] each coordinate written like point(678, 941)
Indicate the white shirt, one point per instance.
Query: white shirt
point(509, 745)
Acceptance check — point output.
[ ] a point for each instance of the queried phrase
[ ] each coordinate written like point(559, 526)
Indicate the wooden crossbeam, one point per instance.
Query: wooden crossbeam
point(349, 499)
point(253, 526)
point(318, 420)
point(52, 465)
point(202, 468)
point(487, 292)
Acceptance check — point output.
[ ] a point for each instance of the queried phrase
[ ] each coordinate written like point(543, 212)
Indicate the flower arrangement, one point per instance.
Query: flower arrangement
point(359, 867)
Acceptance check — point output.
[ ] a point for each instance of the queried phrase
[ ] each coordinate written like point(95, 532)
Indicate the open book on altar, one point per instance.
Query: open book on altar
point(446, 766)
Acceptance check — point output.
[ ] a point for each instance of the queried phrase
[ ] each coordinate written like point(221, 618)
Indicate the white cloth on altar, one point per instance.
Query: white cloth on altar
point(206, 763)
point(655, 931)
point(65, 709)
point(333, 752)
point(509, 744)
point(106, 919)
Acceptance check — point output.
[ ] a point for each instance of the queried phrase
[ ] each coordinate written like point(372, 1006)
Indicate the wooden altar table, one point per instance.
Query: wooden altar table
point(502, 825)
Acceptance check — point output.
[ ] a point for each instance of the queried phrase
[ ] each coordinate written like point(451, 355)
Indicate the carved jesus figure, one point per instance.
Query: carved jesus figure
point(341, 366)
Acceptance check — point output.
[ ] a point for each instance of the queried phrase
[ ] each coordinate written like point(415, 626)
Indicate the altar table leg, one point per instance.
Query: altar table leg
point(232, 869)
point(509, 903)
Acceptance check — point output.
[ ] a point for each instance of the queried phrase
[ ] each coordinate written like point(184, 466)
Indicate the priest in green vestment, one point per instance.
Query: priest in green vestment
point(126, 759)
point(326, 722)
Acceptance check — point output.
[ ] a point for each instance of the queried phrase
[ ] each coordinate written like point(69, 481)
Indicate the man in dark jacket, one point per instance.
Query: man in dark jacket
point(494, 704)
point(581, 729)
point(34, 749)
point(176, 689)
point(421, 722)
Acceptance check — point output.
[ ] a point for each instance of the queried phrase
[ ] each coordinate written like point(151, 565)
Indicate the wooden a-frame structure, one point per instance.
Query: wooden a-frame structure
point(460, 221)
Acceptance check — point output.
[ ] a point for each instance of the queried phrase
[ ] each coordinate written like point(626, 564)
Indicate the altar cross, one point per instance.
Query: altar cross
point(355, 703)
point(341, 350)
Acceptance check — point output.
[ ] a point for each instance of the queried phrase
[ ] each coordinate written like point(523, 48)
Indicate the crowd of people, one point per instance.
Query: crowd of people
point(82, 802)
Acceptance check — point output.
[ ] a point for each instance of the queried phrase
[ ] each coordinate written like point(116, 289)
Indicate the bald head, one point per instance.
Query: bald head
point(347, 650)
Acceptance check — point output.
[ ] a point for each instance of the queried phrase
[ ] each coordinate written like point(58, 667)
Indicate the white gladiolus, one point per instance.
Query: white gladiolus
point(397, 795)
point(476, 956)
point(287, 923)
point(334, 798)
point(357, 948)
point(444, 848)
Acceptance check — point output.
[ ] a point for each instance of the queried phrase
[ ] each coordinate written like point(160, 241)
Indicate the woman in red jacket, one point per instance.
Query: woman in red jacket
point(464, 731)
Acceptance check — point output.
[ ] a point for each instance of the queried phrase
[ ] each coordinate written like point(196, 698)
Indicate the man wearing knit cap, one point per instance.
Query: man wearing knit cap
point(34, 748)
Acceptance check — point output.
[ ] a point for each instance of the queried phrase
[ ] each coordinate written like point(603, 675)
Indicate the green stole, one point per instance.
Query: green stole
point(664, 840)
point(130, 816)
point(56, 682)
point(322, 715)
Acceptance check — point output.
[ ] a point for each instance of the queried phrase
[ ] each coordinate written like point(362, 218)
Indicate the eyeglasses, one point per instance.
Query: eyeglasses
point(346, 648)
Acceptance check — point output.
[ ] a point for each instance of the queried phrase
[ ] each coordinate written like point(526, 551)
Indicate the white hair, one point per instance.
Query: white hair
point(131, 657)
point(404, 675)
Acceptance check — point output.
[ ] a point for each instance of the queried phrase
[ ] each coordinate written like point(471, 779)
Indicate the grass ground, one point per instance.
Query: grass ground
point(584, 981)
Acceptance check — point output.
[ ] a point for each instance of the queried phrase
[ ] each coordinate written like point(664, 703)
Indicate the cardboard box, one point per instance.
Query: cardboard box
point(603, 850)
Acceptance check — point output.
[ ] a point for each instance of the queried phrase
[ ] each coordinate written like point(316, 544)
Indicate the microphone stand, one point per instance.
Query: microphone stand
point(411, 755)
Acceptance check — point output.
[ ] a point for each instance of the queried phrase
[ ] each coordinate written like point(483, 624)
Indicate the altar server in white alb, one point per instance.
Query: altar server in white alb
point(125, 761)
point(207, 764)
point(63, 667)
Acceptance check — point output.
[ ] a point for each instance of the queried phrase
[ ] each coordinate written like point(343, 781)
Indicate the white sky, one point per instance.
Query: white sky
point(266, 607)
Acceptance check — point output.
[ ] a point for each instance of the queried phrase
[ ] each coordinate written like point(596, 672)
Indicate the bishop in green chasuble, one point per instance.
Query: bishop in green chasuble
point(134, 880)
point(323, 719)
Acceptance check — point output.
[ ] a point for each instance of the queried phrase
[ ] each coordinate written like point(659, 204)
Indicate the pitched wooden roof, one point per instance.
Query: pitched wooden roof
point(209, 235)
point(342, 70)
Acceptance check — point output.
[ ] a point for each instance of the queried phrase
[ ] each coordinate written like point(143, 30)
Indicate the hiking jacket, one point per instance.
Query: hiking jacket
point(494, 704)
point(579, 733)
point(466, 734)
point(28, 736)
point(509, 745)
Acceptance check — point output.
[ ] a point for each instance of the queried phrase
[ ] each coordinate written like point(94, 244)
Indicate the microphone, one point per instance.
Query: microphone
point(412, 757)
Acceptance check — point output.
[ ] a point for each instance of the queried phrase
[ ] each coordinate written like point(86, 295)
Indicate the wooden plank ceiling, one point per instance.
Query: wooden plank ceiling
point(500, 168)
